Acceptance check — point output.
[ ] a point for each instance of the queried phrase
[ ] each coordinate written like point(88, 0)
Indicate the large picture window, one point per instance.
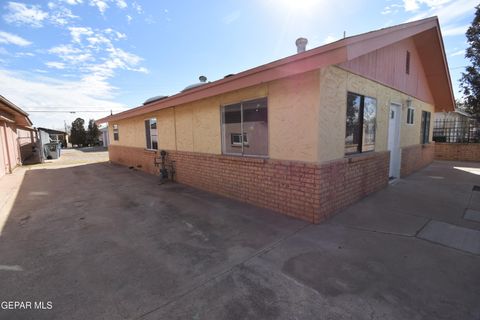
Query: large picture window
point(425, 128)
point(151, 133)
point(245, 128)
point(361, 122)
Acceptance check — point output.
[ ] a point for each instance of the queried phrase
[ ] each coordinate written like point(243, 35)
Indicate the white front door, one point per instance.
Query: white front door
point(394, 140)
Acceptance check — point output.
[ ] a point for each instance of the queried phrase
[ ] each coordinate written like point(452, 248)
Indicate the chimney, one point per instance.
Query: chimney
point(301, 44)
point(202, 79)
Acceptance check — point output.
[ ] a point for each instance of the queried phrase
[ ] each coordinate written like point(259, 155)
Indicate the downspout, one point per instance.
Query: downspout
point(6, 146)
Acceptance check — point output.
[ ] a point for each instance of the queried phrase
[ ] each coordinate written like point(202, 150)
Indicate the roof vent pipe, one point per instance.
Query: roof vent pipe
point(301, 44)
point(202, 79)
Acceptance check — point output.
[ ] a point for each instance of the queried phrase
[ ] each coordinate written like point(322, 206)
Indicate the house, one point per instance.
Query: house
point(53, 136)
point(51, 141)
point(17, 137)
point(104, 138)
point(455, 127)
point(305, 135)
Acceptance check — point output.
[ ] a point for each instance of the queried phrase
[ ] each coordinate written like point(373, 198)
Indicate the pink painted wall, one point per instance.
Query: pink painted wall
point(387, 66)
point(10, 148)
point(3, 153)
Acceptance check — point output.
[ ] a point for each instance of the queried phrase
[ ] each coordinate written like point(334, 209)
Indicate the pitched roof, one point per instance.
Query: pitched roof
point(51, 131)
point(429, 41)
point(13, 113)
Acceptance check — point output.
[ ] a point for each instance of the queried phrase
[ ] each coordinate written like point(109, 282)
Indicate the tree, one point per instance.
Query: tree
point(92, 133)
point(77, 132)
point(471, 77)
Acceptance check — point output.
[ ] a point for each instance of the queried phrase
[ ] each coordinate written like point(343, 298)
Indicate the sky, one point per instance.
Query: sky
point(63, 59)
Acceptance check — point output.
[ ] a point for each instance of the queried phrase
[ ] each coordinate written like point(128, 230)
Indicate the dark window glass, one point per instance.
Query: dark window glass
point(410, 115)
point(232, 128)
point(245, 128)
point(255, 127)
point(407, 63)
point(360, 123)
point(352, 135)
point(425, 128)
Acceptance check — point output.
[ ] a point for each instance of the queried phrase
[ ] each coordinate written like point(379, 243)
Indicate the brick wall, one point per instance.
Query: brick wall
point(308, 191)
point(345, 181)
point(416, 157)
point(457, 151)
point(133, 157)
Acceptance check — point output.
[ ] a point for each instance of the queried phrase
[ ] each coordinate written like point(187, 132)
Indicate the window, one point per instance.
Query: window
point(410, 115)
point(361, 118)
point(245, 128)
point(236, 139)
point(115, 132)
point(407, 63)
point(425, 128)
point(151, 133)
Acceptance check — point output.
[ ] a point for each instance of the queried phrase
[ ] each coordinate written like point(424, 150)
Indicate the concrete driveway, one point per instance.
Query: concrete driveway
point(101, 241)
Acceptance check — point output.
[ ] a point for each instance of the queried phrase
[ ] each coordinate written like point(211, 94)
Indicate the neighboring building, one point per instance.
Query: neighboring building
point(17, 137)
point(456, 127)
point(104, 139)
point(305, 135)
point(51, 141)
point(456, 115)
point(54, 136)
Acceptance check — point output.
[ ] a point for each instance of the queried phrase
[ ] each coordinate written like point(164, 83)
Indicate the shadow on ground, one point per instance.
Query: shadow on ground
point(92, 149)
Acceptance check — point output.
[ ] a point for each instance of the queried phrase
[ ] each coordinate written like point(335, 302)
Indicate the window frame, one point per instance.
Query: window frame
point(222, 133)
point(149, 146)
point(361, 114)
point(411, 115)
point(116, 136)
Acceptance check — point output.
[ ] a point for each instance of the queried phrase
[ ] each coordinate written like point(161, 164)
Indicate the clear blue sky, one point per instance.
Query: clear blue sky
point(102, 55)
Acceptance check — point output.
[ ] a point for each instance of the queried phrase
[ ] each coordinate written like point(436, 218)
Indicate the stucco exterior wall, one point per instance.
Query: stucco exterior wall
point(166, 129)
point(196, 127)
point(184, 126)
point(306, 117)
point(334, 85)
point(410, 133)
point(131, 132)
point(293, 109)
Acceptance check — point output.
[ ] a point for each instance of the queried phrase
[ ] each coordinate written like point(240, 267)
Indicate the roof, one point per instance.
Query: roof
point(12, 113)
point(463, 113)
point(52, 131)
point(426, 31)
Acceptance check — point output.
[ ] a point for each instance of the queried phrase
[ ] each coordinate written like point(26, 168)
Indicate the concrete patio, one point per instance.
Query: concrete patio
point(106, 242)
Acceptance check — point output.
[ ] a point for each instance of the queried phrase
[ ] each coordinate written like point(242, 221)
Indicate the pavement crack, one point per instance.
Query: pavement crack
point(371, 230)
point(423, 227)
